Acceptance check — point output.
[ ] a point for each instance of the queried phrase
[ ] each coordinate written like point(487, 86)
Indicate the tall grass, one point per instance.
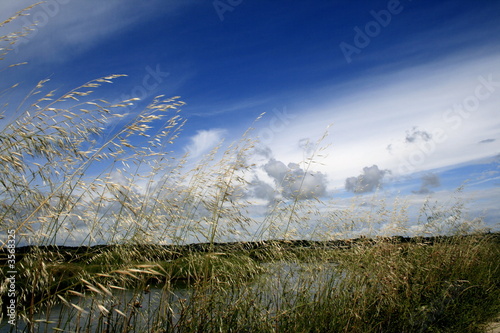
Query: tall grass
point(64, 182)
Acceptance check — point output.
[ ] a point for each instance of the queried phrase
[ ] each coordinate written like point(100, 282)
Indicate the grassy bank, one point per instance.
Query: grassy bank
point(67, 179)
point(444, 284)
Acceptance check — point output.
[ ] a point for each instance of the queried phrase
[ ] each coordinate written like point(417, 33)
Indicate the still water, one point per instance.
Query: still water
point(142, 308)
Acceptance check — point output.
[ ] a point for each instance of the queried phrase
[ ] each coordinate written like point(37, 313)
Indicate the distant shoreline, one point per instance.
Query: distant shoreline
point(71, 253)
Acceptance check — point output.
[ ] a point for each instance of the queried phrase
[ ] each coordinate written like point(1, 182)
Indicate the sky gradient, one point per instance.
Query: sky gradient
point(409, 91)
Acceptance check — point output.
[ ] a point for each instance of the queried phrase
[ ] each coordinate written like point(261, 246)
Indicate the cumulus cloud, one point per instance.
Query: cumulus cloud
point(295, 182)
point(203, 141)
point(368, 181)
point(415, 135)
point(276, 169)
point(262, 151)
point(429, 180)
point(262, 190)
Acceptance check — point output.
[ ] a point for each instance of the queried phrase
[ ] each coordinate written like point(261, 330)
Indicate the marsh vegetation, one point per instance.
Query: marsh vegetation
point(117, 233)
point(443, 284)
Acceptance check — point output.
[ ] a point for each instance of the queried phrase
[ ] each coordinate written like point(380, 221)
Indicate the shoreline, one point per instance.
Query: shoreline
point(76, 253)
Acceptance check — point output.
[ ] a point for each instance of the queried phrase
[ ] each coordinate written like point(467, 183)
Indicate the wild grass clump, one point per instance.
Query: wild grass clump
point(451, 285)
point(78, 171)
point(423, 287)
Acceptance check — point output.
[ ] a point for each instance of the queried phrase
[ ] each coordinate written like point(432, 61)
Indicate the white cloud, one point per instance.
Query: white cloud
point(203, 141)
point(296, 182)
point(67, 27)
point(382, 110)
point(368, 181)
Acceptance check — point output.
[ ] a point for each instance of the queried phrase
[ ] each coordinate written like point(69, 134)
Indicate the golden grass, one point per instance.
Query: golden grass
point(63, 181)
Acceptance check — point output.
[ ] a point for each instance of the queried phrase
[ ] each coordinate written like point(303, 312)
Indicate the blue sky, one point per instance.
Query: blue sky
point(411, 88)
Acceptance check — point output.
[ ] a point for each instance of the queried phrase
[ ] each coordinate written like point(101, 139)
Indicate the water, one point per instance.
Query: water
point(141, 309)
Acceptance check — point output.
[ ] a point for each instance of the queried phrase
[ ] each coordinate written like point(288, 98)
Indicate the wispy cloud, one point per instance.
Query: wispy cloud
point(67, 28)
point(413, 110)
point(203, 141)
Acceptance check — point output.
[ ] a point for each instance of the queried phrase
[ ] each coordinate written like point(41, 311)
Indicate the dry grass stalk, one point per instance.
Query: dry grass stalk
point(62, 181)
